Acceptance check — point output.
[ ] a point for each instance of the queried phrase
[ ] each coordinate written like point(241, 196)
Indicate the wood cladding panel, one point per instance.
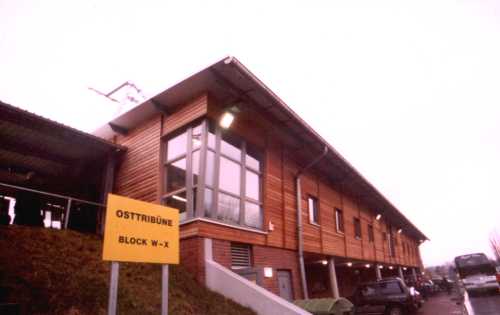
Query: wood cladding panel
point(138, 177)
point(137, 172)
point(273, 194)
point(193, 110)
point(210, 230)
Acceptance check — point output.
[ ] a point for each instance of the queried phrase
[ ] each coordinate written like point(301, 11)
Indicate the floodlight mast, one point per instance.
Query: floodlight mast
point(134, 97)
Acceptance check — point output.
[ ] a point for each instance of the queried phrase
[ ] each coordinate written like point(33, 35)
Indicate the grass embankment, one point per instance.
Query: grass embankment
point(61, 272)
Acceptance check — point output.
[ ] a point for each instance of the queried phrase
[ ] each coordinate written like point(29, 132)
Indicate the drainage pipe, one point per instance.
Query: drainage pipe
point(300, 244)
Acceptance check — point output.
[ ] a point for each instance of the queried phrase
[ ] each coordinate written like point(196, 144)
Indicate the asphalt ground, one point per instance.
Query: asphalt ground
point(442, 304)
point(485, 304)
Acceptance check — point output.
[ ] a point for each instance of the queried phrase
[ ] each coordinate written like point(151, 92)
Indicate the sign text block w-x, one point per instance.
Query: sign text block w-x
point(138, 231)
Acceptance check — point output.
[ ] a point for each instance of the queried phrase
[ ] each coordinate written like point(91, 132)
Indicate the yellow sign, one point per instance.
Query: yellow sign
point(138, 231)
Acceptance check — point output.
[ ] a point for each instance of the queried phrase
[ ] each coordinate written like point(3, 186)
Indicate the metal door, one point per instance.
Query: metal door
point(285, 284)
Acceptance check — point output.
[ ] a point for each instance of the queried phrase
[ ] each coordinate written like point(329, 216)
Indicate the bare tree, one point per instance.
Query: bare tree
point(495, 245)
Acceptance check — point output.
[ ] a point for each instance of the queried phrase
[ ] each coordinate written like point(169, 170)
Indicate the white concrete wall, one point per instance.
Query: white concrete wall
point(222, 280)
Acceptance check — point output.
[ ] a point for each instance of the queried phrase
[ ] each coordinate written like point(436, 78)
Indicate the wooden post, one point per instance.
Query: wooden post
point(113, 288)
point(108, 181)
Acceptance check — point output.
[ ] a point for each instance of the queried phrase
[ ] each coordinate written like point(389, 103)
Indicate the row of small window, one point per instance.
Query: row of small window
point(312, 203)
point(313, 207)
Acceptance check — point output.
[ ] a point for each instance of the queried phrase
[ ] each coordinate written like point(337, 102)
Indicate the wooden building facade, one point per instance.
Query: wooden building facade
point(238, 187)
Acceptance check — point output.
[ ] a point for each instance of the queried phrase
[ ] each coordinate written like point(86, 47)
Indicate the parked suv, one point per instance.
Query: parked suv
point(388, 296)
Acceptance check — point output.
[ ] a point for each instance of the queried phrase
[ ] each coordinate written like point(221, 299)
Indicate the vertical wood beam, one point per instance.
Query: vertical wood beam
point(109, 179)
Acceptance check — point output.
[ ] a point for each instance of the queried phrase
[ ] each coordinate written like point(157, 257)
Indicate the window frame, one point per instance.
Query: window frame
point(358, 234)
point(371, 233)
point(339, 221)
point(195, 192)
point(313, 213)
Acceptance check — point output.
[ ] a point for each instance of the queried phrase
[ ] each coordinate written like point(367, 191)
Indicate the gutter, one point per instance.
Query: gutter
point(300, 245)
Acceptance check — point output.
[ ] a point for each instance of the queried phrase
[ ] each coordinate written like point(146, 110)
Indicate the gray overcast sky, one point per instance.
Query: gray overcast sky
point(406, 91)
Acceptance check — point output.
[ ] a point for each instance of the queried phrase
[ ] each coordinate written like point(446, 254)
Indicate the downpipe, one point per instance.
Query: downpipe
point(300, 244)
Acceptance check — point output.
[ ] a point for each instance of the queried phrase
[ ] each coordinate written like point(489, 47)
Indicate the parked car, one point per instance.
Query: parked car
point(387, 296)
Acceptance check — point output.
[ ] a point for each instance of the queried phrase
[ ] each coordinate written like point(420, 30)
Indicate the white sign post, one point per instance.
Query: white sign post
point(164, 290)
point(137, 231)
point(113, 288)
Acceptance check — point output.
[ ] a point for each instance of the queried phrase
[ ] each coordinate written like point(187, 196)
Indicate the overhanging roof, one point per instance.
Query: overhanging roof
point(48, 150)
point(229, 80)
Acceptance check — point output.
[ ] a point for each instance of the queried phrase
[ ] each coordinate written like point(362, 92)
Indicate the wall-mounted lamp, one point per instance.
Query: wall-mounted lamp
point(324, 262)
point(378, 217)
point(268, 272)
point(226, 120)
point(404, 268)
point(271, 226)
point(380, 267)
point(349, 264)
point(367, 265)
point(391, 267)
point(400, 230)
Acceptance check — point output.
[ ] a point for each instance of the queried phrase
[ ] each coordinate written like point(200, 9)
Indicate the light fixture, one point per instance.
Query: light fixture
point(179, 198)
point(378, 217)
point(404, 268)
point(391, 267)
point(380, 267)
point(349, 264)
point(367, 265)
point(400, 230)
point(268, 272)
point(226, 120)
point(324, 262)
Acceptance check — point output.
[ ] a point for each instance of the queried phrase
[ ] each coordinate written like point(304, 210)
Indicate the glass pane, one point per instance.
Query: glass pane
point(196, 166)
point(209, 172)
point(229, 176)
point(176, 175)
point(211, 140)
point(196, 137)
point(179, 202)
point(252, 185)
point(253, 215)
point(228, 208)
point(252, 163)
point(230, 150)
point(211, 135)
point(389, 288)
point(252, 158)
point(207, 203)
point(176, 146)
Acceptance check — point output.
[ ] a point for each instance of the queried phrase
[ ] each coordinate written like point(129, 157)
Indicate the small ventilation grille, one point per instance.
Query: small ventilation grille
point(240, 256)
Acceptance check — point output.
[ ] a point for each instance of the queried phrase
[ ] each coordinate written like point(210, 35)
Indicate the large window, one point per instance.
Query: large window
point(182, 155)
point(214, 174)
